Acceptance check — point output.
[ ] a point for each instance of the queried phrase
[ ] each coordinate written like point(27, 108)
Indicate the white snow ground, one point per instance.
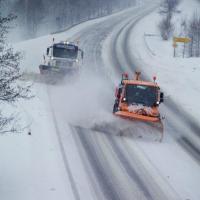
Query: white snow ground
point(32, 167)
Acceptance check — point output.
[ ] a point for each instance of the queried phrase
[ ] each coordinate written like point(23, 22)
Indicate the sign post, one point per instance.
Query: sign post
point(181, 40)
point(174, 45)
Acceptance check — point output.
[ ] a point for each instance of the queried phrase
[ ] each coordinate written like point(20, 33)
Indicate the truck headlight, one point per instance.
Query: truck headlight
point(77, 60)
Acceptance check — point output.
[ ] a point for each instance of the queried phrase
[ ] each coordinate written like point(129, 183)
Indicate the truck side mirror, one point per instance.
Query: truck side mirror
point(161, 97)
point(47, 51)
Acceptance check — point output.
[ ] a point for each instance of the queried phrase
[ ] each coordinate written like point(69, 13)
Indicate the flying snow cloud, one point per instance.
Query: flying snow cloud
point(87, 99)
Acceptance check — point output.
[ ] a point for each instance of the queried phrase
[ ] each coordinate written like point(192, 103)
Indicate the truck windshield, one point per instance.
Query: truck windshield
point(141, 94)
point(65, 51)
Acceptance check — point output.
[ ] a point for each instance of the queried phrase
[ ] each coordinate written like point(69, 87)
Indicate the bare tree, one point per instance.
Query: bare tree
point(10, 87)
point(184, 27)
point(31, 14)
point(194, 34)
point(166, 28)
point(167, 9)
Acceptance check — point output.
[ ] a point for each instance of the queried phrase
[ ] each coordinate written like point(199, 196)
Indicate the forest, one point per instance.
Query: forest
point(39, 17)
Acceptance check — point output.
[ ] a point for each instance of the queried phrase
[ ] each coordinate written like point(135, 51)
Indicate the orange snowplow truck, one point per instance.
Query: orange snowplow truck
point(137, 99)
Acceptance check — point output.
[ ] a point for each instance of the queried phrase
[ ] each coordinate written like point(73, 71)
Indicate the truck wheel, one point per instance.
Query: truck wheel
point(115, 107)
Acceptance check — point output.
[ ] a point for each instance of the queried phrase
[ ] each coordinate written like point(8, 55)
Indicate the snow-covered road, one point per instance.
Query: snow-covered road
point(117, 171)
point(114, 173)
point(100, 164)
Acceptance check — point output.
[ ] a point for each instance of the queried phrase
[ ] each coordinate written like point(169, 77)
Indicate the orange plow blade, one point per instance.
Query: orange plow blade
point(137, 116)
point(153, 125)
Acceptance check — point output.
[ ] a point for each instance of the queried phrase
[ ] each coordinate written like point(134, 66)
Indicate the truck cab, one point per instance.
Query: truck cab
point(62, 56)
point(137, 99)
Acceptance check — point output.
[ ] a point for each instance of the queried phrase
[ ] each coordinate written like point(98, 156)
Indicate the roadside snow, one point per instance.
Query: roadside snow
point(31, 167)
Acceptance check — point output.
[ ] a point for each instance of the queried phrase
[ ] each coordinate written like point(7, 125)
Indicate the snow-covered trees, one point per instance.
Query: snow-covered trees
point(51, 15)
point(10, 88)
point(191, 29)
point(188, 28)
point(194, 34)
point(167, 9)
point(166, 27)
point(30, 14)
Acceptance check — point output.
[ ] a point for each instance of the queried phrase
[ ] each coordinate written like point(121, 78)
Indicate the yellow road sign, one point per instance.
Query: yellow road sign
point(180, 39)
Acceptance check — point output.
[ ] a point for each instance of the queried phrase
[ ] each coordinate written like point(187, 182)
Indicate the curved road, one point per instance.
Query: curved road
point(99, 163)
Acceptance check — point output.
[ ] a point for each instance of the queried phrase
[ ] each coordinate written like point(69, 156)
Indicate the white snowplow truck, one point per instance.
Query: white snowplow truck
point(61, 57)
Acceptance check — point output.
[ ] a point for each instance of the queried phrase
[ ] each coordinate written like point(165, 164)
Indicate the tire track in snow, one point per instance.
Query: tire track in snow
point(104, 167)
point(184, 116)
point(148, 188)
point(130, 170)
point(190, 147)
point(101, 173)
point(62, 150)
point(115, 57)
point(87, 167)
point(114, 50)
point(140, 175)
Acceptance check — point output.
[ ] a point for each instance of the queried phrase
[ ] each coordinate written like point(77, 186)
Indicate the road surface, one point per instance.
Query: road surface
point(99, 163)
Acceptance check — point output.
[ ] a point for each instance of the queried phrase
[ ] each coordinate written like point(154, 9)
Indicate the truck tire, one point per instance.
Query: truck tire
point(115, 107)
